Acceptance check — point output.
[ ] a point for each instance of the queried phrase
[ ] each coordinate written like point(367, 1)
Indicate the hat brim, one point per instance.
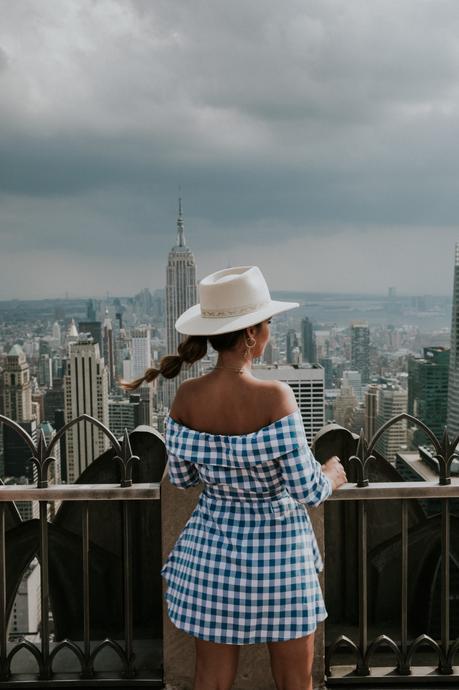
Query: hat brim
point(191, 322)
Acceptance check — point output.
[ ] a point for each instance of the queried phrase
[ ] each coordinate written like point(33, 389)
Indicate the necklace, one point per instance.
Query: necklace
point(239, 371)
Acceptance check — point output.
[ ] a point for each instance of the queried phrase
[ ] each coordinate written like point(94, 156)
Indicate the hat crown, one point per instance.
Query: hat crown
point(230, 300)
point(235, 290)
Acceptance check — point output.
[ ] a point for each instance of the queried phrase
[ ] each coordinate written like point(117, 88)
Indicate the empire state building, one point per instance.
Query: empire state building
point(181, 293)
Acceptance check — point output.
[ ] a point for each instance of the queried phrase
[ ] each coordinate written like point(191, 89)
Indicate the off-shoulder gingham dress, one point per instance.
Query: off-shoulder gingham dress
point(244, 568)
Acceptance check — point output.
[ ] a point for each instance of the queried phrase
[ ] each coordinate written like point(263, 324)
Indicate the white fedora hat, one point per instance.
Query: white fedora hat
point(230, 299)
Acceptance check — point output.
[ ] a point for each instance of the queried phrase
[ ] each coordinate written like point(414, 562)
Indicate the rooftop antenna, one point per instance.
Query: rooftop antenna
point(180, 228)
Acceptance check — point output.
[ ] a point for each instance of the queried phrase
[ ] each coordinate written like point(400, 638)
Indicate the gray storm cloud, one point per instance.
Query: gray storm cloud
point(309, 129)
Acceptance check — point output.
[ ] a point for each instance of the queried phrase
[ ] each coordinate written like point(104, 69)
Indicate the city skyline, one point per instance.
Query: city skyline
point(109, 296)
point(316, 144)
point(347, 363)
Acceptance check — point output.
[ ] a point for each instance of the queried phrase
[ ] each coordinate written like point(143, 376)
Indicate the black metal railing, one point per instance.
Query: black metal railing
point(86, 652)
point(405, 651)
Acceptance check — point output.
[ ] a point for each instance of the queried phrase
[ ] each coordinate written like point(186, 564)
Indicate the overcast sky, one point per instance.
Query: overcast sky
point(316, 139)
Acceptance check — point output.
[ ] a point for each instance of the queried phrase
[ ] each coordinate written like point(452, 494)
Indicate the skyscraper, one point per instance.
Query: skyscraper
point(354, 380)
point(371, 411)
point(108, 349)
point(308, 341)
point(271, 353)
point(392, 401)
point(327, 364)
point(291, 345)
point(16, 388)
point(428, 390)
point(16, 454)
point(124, 414)
point(453, 379)
point(56, 333)
point(45, 371)
point(360, 350)
point(181, 293)
point(140, 351)
point(94, 328)
point(24, 622)
point(345, 406)
point(307, 383)
point(86, 391)
point(72, 333)
point(54, 400)
point(17, 405)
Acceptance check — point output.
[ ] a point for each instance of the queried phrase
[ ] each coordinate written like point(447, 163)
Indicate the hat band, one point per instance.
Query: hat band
point(235, 311)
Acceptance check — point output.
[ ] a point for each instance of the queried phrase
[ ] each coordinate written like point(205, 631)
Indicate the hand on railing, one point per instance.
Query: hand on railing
point(334, 471)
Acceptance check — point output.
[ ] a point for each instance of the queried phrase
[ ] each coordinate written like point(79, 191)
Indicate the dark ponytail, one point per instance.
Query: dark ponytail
point(192, 349)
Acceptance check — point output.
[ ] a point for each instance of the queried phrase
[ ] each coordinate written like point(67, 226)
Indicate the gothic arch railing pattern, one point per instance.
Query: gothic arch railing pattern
point(41, 457)
point(405, 652)
point(445, 450)
point(41, 451)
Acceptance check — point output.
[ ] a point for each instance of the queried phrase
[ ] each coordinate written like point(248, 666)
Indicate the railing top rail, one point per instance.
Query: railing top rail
point(391, 490)
point(80, 492)
point(151, 491)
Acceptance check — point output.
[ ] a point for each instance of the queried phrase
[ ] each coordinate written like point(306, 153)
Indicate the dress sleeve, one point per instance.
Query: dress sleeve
point(182, 473)
point(303, 477)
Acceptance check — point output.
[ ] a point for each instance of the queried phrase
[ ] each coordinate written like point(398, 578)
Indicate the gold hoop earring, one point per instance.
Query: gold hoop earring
point(249, 346)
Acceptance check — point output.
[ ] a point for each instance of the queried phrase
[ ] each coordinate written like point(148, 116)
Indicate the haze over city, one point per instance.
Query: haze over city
point(317, 140)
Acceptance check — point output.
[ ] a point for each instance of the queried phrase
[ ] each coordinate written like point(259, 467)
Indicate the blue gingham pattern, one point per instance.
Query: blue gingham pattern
point(244, 568)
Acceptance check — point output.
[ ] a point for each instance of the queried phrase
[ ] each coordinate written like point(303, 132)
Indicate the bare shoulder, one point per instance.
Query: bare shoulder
point(179, 404)
point(282, 401)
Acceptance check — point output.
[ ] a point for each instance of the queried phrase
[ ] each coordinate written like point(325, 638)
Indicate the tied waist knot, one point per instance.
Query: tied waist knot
point(278, 502)
point(214, 491)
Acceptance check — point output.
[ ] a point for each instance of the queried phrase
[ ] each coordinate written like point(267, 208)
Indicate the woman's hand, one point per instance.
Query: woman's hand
point(334, 471)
